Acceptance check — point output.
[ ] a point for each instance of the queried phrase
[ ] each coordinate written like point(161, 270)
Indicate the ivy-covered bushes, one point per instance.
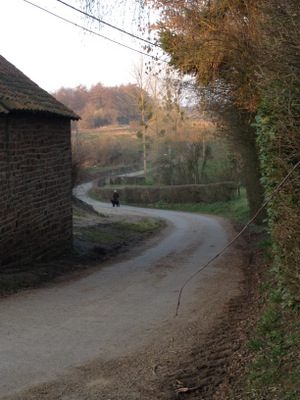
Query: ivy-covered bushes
point(278, 125)
point(277, 160)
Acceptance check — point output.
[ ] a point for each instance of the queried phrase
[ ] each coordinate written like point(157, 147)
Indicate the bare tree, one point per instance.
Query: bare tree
point(144, 105)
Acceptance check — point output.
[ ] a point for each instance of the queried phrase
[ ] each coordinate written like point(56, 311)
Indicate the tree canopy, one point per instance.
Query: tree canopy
point(100, 105)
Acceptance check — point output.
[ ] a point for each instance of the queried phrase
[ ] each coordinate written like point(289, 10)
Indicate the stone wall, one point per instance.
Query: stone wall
point(35, 187)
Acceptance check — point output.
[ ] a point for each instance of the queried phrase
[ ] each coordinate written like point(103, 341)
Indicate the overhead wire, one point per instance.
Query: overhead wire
point(95, 33)
point(107, 24)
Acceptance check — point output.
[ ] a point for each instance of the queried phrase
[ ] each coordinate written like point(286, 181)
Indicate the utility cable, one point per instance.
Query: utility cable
point(279, 188)
point(108, 24)
point(95, 33)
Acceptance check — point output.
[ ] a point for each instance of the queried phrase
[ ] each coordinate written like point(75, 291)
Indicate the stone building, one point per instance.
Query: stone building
point(35, 170)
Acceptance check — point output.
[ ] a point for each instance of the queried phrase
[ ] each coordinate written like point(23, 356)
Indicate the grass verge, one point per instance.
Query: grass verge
point(142, 227)
point(274, 373)
point(236, 209)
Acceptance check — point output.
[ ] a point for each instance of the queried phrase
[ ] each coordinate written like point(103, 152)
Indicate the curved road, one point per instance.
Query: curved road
point(118, 308)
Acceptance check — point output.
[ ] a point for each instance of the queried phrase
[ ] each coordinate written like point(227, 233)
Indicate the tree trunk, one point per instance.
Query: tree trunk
point(251, 168)
point(242, 135)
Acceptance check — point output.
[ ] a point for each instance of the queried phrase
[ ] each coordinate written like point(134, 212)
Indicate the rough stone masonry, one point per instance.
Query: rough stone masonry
point(35, 187)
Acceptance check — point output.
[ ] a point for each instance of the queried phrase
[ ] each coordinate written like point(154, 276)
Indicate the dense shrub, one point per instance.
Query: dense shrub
point(279, 133)
point(171, 194)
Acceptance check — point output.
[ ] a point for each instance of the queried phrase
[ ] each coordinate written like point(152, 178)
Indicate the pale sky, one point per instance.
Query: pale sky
point(56, 54)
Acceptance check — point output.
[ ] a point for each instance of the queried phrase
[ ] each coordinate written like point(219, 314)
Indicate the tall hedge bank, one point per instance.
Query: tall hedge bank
point(170, 194)
point(279, 148)
point(278, 125)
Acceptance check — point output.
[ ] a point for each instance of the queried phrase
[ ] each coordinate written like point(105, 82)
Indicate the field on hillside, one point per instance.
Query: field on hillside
point(97, 150)
point(106, 147)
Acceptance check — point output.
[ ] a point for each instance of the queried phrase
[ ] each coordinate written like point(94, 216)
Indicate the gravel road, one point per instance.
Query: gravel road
point(120, 308)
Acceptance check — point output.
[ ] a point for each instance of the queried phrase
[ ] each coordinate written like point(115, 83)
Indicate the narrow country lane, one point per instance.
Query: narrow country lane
point(119, 309)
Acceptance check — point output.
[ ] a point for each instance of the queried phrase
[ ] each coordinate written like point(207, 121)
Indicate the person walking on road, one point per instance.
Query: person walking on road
point(115, 199)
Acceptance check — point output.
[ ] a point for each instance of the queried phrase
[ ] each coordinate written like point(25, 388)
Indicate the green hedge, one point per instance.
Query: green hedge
point(279, 147)
point(171, 194)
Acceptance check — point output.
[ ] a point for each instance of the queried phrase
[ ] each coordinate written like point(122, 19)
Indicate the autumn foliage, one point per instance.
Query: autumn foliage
point(101, 105)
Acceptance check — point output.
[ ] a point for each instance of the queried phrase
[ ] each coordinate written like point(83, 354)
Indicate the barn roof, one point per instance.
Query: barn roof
point(18, 93)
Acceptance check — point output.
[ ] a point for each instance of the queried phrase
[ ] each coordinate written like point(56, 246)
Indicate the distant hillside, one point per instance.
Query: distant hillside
point(101, 106)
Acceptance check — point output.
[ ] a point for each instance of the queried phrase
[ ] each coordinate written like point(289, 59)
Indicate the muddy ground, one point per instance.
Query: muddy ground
point(194, 364)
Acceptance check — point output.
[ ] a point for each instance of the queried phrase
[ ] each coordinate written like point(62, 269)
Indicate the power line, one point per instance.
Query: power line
point(94, 33)
point(106, 23)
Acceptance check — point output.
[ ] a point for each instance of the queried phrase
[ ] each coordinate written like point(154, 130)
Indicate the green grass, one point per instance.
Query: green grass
point(143, 226)
point(93, 196)
point(276, 366)
point(275, 345)
point(236, 209)
point(97, 235)
point(77, 213)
